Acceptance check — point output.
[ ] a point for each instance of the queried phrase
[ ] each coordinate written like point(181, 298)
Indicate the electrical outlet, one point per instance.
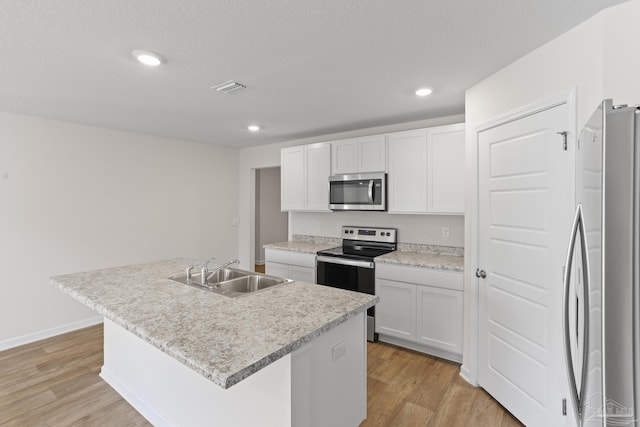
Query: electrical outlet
point(445, 232)
point(338, 351)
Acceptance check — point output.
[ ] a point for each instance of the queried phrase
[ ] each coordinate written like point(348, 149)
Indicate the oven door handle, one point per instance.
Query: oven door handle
point(342, 261)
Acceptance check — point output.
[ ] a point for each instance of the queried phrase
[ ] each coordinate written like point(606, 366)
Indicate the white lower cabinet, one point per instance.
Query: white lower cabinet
point(277, 269)
point(439, 318)
point(421, 309)
point(396, 313)
point(292, 265)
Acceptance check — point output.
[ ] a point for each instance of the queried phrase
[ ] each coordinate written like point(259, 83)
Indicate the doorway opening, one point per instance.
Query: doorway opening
point(271, 224)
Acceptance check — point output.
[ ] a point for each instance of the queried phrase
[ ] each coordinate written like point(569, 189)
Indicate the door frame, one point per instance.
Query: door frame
point(469, 368)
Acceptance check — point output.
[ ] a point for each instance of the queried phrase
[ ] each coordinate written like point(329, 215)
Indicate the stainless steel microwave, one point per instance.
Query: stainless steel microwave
point(358, 192)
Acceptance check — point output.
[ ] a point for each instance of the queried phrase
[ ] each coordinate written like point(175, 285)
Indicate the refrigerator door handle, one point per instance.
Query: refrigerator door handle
point(576, 395)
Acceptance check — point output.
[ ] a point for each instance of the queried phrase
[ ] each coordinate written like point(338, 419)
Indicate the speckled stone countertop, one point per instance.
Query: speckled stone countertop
point(304, 247)
point(223, 339)
point(436, 261)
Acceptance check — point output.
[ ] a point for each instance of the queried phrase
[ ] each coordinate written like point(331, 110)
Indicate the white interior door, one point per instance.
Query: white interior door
point(525, 204)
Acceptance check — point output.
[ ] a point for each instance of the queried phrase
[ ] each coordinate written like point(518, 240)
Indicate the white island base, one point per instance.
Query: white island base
point(322, 383)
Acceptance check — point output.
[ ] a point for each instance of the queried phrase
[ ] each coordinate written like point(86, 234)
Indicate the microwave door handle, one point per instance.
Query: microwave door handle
point(371, 191)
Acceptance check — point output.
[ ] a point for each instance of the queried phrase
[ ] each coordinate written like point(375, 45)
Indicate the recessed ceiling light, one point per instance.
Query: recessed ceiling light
point(423, 91)
point(253, 128)
point(146, 57)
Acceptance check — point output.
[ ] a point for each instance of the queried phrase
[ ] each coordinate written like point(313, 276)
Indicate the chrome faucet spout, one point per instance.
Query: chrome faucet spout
point(226, 264)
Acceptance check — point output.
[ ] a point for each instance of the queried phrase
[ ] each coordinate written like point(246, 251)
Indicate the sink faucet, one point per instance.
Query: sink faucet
point(205, 273)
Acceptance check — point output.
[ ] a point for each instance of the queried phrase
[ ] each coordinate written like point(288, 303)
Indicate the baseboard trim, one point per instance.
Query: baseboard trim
point(139, 404)
point(421, 348)
point(48, 333)
point(468, 376)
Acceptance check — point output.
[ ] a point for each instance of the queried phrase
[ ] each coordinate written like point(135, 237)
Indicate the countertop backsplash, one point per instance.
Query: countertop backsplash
point(402, 247)
point(430, 249)
point(317, 239)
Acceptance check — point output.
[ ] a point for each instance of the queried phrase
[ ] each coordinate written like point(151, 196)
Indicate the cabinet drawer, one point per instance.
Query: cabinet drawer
point(291, 258)
point(420, 276)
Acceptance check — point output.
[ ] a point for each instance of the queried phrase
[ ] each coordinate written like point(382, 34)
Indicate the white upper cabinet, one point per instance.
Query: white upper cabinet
point(407, 181)
point(344, 156)
point(426, 170)
point(359, 155)
point(292, 185)
point(304, 174)
point(445, 169)
point(318, 169)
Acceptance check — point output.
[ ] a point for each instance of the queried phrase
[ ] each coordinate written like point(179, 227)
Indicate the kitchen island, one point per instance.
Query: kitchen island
point(293, 354)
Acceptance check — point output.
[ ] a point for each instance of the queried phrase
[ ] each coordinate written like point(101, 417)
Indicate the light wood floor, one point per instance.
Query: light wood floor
point(407, 388)
point(55, 382)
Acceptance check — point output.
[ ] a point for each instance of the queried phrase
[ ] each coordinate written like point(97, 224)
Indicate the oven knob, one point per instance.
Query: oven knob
point(346, 231)
point(388, 234)
point(350, 231)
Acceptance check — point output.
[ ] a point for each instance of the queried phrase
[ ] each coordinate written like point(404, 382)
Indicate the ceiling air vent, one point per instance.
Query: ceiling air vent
point(229, 87)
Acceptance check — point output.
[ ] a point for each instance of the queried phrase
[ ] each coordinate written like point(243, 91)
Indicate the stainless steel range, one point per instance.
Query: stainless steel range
point(351, 266)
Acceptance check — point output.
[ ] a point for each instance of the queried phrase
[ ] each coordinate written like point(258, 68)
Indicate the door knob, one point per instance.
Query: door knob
point(481, 273)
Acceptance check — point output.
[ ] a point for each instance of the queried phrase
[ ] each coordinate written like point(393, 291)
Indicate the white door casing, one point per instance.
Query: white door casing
point(525, 201)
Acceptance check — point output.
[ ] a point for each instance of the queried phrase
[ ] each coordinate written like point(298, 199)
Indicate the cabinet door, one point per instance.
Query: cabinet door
point(396, 311)
point(292, 179)
point(344, 156)
point(277, 269)
point(373, 153)
point(318, 167)
point(303, 274)
point(440, 318)
point(445, 167)
point(408, 172)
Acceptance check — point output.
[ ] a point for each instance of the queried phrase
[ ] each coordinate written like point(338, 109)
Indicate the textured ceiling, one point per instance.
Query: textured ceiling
point(311, 67)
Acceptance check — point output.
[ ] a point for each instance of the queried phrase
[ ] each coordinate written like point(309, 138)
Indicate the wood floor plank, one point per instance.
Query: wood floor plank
point(486, 411)
point(434, 385)
point(455, 406)
point(56, 382)
point(10, 411)
point(412, 415)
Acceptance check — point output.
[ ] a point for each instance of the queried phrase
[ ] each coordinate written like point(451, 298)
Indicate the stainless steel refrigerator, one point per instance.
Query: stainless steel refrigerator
point(601, 287)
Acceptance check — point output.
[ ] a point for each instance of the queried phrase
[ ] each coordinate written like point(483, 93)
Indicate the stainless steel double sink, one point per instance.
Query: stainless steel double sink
point(232, 282)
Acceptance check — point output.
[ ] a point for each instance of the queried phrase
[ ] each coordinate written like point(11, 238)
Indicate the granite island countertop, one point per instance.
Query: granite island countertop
point(223, 339)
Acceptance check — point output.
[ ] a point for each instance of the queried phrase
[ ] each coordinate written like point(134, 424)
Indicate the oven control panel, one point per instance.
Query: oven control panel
point(369, 234)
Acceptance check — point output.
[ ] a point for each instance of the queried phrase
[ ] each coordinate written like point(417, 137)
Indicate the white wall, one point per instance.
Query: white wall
point(423, 229)
point(269, 156)
point(621, 53)
point(271, 223)
point(76, 198)
point(598, 59)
